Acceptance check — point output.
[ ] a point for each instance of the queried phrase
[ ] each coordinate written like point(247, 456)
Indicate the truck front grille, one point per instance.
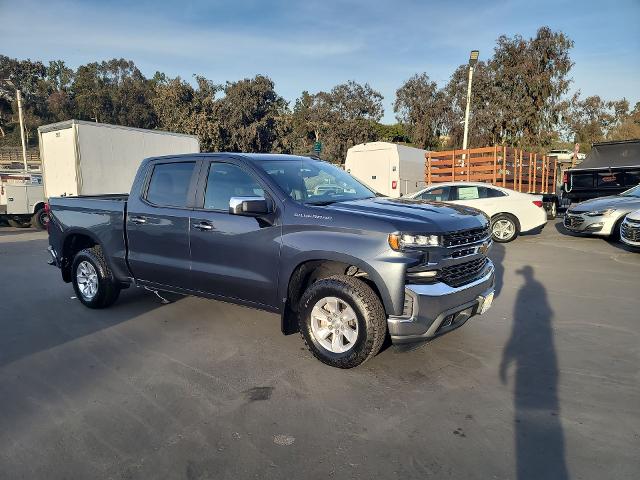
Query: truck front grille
point(463, 273)
point(630, 230)
point(466, 237)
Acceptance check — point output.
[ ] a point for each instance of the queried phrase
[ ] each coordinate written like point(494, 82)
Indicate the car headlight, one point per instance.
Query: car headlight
point(599, 213)
point(400, 241)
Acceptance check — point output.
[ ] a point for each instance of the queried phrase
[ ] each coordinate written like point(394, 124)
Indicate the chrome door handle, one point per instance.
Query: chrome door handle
point(203, 226)
point(138, 220)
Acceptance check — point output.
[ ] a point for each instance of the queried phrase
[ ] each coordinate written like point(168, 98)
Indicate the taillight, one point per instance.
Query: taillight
point(565, 178)
point(394, 184)
point(538, 203)
point(47, 211)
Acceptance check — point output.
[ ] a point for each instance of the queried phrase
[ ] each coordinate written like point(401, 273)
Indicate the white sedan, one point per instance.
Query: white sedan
point(511, 212)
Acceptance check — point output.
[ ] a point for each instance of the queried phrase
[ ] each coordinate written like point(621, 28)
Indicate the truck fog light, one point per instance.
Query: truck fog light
point(426, 275)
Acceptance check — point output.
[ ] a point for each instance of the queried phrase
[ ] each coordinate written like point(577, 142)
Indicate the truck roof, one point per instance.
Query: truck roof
point(253, 157)
point(52, 127)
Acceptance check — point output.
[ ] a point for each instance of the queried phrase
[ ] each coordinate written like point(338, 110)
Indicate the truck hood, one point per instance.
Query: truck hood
point(614, 201)
point(415, 215)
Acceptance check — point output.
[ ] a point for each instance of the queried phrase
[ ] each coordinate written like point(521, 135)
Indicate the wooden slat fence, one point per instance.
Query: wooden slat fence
point(508, 167)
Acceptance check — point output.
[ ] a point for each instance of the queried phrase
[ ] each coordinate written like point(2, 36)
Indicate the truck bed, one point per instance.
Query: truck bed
point(102, 217)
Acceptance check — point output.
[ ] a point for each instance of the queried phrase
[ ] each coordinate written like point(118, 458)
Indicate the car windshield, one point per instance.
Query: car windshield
point(315, 182)
point(632, 192)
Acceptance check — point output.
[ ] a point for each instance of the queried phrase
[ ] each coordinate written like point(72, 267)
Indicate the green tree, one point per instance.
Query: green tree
point(420, 106)
point(247, 115)
point(343, 117)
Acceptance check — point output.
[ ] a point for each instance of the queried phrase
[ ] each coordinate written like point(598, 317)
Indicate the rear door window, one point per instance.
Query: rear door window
point(439, 194)
point(169, 184)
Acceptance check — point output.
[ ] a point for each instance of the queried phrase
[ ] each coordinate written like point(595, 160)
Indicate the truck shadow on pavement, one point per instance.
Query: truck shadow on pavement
point(497, 255)
point(539, 439)
point(39, 312)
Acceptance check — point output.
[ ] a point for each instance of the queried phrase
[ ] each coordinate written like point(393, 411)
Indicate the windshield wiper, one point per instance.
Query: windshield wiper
point(322, 203)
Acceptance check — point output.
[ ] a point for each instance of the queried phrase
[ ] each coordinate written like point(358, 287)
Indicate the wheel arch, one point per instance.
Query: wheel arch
point(305, 270)
point(74, 241)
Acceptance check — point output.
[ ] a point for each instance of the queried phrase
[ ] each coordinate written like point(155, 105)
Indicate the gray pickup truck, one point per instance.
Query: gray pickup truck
point(292, 235)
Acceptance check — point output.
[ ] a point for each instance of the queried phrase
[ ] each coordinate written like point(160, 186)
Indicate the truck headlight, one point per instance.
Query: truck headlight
point(599, 213)
point(400, 241)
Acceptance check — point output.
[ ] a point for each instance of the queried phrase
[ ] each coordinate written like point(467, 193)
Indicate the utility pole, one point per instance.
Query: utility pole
point(21, 118)
point(473, 59)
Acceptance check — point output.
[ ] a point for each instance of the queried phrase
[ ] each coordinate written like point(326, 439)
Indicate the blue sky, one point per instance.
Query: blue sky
point(314, 45)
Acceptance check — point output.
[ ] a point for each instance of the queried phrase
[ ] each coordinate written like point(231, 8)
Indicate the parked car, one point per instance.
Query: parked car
point(602, 216)
point(511, 212)
point(630, 229)
point(344, 268)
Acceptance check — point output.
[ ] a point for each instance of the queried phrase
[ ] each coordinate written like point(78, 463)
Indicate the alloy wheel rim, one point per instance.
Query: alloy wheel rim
point(334, 324)
point(87, 280)
point(503, 229)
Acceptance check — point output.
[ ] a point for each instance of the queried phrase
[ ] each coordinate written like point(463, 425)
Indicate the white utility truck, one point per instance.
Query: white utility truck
point(22, 201)
point(388, 168)
point(88, 158)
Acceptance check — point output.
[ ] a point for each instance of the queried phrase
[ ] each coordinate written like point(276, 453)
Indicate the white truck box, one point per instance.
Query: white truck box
point(388, 168)
point(87, 158)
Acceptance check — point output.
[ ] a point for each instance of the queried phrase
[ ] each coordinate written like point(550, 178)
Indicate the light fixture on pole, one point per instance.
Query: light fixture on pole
point(21, 119)
point(473, 59)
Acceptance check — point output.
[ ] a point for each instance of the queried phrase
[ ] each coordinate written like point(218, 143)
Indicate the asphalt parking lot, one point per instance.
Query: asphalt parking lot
point(545, 385)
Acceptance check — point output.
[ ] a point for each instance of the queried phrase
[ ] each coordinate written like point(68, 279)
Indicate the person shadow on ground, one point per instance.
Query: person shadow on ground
point(539, 440)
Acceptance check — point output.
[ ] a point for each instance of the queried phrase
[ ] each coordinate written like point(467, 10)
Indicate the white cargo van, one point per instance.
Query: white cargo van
point(87, 158)
point(388, 168)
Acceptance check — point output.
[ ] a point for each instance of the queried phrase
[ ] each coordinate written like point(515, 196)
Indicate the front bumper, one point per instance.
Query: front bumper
point(581, 223)
point(630, 232)
point(438, 308)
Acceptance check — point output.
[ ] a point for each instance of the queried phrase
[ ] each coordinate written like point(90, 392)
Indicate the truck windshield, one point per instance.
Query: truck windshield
point(315, 182)
point(632, 192)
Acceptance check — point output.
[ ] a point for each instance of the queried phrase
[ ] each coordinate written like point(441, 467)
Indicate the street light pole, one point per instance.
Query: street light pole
point(473, 59)
point(20, 117)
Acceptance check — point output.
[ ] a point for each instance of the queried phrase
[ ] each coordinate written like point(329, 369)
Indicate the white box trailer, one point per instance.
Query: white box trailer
point(87, 158)
point(388, 168)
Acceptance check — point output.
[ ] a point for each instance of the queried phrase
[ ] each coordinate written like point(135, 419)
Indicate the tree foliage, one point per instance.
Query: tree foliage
point(519, 98)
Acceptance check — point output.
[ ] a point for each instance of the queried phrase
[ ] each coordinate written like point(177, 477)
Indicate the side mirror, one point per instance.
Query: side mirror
point(248, 206)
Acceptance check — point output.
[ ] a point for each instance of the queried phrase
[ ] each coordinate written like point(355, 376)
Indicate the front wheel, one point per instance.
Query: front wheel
point(92, 279)
point(504, 228)
point(342, 321)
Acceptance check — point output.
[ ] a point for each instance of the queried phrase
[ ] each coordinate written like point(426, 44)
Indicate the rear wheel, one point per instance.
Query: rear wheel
point(92, 279)
point(40, 219)
point(18, 223)
point(504, 228)
point(342, 321)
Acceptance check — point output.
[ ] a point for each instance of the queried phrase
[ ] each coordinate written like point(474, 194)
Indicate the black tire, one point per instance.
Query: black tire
point(17, 223)
point(108, 289)
point(40, 219)
point(370, 314)
point(615, 232)
point(505, 217)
